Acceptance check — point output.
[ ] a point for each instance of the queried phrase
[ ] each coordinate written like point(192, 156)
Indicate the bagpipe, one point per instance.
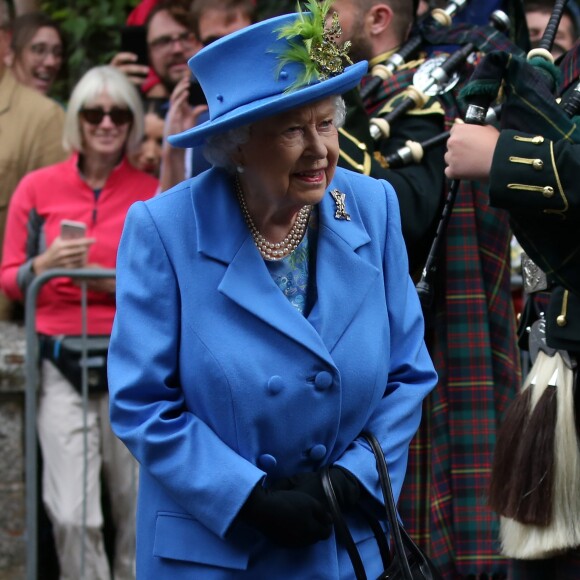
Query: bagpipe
point(436, 76)
point(535, 481)
point(413, 151)
point(380, 72)
point(476, 114)
point(436, 72)
point(534, 75)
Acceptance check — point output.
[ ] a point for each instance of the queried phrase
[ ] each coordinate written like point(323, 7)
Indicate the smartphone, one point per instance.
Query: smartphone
point(196, 94)
point(70, 230)
point(134, 39)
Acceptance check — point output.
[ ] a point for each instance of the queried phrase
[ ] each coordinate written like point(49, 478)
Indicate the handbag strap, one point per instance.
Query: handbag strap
point(391, 510)
point(340, 526)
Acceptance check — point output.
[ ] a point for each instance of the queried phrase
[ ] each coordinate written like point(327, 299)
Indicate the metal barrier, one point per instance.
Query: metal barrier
point(32, 386)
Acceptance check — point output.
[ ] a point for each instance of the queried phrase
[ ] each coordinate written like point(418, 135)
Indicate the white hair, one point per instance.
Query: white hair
point(122, 92)
point(219, 148)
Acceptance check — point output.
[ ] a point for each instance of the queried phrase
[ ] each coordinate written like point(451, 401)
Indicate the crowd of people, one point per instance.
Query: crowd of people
point(231, 385)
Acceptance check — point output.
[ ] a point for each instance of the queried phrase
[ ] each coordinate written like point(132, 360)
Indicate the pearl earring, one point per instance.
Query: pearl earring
point(240, 168)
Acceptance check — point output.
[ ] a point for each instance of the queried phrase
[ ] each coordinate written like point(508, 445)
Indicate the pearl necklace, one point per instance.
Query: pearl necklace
point(274, 251)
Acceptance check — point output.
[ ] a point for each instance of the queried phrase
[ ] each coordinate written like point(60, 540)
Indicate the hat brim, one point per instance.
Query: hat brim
point(272, 105)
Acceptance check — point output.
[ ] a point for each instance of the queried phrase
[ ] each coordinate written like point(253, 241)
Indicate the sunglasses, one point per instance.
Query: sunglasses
point(96, 115)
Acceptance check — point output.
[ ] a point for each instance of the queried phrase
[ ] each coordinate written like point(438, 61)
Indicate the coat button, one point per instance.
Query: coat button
point(267, 462)
point(548, 191)
point(275, 385)
point(322, 381)
point(538, 164)
point(318, 452)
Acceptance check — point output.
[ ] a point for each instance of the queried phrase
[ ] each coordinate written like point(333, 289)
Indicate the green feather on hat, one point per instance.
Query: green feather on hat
point(316, 48)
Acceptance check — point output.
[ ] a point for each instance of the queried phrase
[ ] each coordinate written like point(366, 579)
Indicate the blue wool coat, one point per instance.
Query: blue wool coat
point(217, 382)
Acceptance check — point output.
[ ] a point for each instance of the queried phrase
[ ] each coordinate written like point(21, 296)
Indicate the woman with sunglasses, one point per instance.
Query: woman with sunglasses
point(36, 51)
point(95, 186)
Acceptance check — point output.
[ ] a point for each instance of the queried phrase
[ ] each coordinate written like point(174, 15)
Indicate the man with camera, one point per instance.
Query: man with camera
point(155, 56)
point(211, 20)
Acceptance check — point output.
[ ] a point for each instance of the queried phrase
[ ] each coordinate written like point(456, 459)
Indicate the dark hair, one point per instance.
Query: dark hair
point(25, 27)
point(157, 105)
point(177, 9)
point(538, 5)
point(198, 8)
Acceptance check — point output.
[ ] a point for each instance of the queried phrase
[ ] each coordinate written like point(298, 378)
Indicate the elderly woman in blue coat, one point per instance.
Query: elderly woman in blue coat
point(265, 318)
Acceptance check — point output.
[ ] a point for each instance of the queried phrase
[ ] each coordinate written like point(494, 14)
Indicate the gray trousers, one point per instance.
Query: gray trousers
point(60, 421)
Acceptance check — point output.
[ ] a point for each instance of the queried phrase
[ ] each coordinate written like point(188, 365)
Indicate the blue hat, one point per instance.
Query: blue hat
point(245, 76)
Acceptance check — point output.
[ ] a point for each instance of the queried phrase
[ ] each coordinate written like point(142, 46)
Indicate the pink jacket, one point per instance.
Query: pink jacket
point(42, 199)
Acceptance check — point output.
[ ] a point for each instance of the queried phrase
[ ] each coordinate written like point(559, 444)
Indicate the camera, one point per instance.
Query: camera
point(134, 39)
point(196, 94)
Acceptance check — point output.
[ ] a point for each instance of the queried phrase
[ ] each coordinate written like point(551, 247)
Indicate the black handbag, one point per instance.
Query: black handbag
point(71, 354)
point(406, 561)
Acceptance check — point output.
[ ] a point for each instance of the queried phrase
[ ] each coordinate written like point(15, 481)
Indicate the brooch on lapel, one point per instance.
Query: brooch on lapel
point(340, 213)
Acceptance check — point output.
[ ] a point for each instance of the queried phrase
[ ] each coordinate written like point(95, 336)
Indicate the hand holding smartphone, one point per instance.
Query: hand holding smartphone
point(72, 230)
point(134, 39)
point(67, 254)
point(196, 96)
point(133, 60)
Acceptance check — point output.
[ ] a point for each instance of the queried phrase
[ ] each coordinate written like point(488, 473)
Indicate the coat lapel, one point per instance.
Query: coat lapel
point(343, 278)
point(224, 236)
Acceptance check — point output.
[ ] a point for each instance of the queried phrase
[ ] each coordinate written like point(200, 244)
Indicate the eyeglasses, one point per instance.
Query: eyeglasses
point(41, 51)
point(95, 116)
point(164, 43)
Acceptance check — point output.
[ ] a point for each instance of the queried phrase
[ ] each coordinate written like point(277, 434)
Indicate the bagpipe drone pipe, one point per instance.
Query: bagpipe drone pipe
point(413, 151)
point(479, 111)
point(431, 35)
point(438, 16)
point(444, 25)
point(535, 482)
point(438, 74)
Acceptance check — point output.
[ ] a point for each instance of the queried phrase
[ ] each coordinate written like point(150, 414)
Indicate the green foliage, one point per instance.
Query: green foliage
point(92, 33)
point(92, 36)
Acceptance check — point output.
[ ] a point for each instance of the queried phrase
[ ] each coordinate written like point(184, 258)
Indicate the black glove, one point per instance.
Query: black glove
point(288, 518)
point(346, 487)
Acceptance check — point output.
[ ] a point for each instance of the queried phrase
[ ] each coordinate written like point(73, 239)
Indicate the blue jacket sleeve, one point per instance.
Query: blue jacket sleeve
point(411, 376)
point(148, 410)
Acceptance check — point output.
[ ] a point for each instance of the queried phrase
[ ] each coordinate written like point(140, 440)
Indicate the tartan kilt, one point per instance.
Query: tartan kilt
point(472, 340)
point(471, 335)
point(443, 503)
point(570, 67)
